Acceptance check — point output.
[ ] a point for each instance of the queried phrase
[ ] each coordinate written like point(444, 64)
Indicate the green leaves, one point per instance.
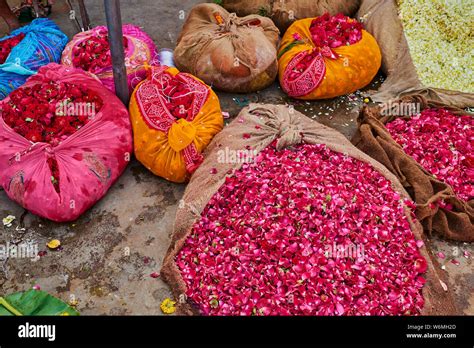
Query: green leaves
point(34, 303)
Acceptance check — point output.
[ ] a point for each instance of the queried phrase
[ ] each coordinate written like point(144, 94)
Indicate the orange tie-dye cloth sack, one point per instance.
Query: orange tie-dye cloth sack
point(327, 56)
point(174, 117)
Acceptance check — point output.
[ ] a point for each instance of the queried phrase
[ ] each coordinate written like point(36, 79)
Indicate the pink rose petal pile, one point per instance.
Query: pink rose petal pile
point(268, 241)
point(443, 144)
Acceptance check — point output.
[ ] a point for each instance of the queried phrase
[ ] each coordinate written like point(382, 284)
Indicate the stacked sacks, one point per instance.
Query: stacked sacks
point(90, 51)
point(227, 52)
point(65, 140)
point(27, 49)
point(174, 117)
point(326, 57)
point(283, 13)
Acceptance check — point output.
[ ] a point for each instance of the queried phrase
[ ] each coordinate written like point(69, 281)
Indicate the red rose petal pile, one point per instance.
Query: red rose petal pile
point(178, 96)
point(304, 231)
point(329, 31)
point(44, 112)
point(93, 54)
point(335, 31)
point(443, 144)
point(7, 45)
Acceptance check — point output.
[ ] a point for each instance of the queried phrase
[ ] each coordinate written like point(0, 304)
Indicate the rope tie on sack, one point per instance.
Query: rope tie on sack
point(227, 25)
point(289, 134)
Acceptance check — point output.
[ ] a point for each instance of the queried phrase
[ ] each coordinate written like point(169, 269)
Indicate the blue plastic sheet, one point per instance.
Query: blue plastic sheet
point(43, 44)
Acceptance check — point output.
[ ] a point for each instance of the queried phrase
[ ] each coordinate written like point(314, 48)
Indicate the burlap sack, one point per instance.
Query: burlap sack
point(380, 18)
point(374, 139)
point(227, 52)
point(276, 122)
point(283, 13)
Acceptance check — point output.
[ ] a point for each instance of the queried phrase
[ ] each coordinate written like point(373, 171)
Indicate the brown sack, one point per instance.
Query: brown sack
point(227, 52)
point(380, 18)
point(276, 122)
point(374, 139)
point(283, 13)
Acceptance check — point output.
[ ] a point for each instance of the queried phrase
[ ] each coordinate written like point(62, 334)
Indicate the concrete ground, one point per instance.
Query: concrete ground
point(107, 256)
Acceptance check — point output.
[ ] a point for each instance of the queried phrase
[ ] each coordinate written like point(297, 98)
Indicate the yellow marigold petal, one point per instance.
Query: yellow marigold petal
point(54, 244)
point(168, 306)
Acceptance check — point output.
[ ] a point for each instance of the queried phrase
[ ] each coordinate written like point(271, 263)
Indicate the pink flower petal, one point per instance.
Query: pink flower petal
point(420, 243)
point(455, 262)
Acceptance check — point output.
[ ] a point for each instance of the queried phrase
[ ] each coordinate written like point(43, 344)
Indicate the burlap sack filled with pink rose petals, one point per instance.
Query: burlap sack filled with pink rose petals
point(283, 13)
point(373, 138)
point(256, 127)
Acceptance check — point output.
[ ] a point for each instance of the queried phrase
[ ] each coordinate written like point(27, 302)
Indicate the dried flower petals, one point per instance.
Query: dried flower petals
point(420, 243)
point(439, 35)
point(455, 262)
point(335, 31)
point(53, 244)
point(443, 144)
point(8, 221)
point(443, 285)
point(263, 243)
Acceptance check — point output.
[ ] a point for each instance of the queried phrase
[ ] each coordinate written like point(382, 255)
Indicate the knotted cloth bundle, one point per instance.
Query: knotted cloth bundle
point(43, 43)
point(174, 117)
point(88, 161)
point(227, 52)
point(309, 70)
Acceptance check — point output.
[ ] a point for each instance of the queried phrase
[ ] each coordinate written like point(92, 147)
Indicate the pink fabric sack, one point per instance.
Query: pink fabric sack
point(140, 51)
point(89, 161)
